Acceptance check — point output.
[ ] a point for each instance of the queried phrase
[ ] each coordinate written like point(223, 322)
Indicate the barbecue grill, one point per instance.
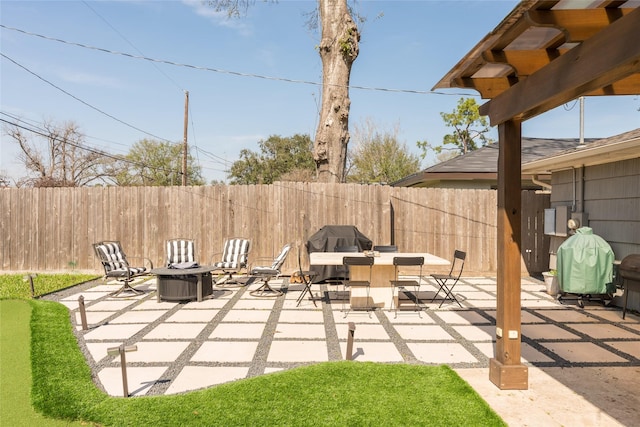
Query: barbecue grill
point(629, 270)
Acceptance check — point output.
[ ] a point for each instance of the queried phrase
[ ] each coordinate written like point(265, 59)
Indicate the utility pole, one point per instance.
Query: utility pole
point(186, 125)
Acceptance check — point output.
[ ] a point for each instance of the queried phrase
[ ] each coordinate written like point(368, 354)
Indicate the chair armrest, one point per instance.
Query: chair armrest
point(216, 257)
point(148, 261)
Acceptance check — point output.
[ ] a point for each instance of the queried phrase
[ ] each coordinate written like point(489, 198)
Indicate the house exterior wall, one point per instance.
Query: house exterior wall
point(610, 196)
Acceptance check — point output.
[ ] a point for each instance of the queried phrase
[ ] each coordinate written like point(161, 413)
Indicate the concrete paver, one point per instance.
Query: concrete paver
point(225, 351)
point(298, 351)
point(238, 331)
point(441, 353)
point(196, 377)
point(373, 351)
point(176, 331)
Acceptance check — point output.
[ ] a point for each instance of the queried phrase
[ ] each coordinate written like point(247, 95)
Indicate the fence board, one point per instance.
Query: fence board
point(47, 228)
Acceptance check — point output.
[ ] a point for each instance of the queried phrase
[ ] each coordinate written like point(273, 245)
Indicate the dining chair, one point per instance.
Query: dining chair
point(350, 261)
point(398, 286)
point(385, 248)
point(341, 271)
point(446, 282)
point(307, 277)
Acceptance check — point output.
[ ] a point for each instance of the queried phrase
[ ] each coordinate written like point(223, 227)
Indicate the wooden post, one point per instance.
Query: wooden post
point(506, 370)
point(123, 363)
point(83, 313)
point(349, 351)
point(33, 288)
point(392, 223)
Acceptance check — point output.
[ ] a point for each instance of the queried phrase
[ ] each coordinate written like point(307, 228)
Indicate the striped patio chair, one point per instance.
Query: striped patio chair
point(266, 273)
point(115, 264)
point(235, 256)
point(180, 252)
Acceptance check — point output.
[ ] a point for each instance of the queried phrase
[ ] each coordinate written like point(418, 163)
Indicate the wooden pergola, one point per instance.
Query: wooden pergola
point(542, 55)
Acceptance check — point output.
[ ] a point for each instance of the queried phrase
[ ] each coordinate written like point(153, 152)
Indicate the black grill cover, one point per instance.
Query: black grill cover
point(326, 239)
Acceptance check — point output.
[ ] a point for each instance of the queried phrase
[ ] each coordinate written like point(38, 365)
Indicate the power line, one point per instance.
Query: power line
point(39, 125)
point(81, 101)
point(213, 156)
point(131, 44)
point(38, 129)
point(222, 71)
point(41, 132)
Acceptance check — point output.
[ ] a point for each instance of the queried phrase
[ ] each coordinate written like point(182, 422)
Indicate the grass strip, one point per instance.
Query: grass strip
point(15, 369)
point(18, 285)
point(331, 393)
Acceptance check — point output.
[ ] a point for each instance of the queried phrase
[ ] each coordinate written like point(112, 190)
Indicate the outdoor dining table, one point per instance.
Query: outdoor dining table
point(383, 272)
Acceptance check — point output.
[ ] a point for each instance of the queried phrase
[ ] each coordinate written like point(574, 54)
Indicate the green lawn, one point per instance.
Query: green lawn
point(15, 369)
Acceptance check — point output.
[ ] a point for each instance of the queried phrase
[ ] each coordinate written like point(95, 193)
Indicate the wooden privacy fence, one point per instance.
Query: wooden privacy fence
point(52, 229)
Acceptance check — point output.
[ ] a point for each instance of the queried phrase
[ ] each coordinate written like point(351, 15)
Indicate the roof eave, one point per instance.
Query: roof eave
point(587, 156)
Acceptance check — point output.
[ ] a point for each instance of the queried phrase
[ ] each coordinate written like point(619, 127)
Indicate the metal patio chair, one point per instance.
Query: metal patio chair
point(115, 264)
point(266, 273)
point(180, 252)
point(398, 285)
point(366, 284)
point(307, 277)
point(385, 248)
point(446, 282)
point(233, 260)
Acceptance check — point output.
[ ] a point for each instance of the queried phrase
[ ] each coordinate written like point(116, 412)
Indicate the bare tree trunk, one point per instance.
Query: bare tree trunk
point(338, 50)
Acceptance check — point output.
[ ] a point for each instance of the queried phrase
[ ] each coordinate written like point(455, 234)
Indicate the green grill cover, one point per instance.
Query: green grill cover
point(585, 264)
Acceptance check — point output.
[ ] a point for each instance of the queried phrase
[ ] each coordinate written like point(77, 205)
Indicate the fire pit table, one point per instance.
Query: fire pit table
point(176, 284)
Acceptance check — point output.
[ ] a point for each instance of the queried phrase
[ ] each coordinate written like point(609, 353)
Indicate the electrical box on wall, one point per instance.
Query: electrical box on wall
point(555, 220)
point(550, 221)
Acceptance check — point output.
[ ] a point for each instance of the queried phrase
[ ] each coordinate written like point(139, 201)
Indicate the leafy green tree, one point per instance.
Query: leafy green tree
point(279, 159)
point(469, 130)
point(155, 163)
point(378, 157)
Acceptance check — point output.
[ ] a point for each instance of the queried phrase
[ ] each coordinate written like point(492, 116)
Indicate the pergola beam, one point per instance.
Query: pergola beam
point(605, 58)
point(578, 25)
point(525, 62)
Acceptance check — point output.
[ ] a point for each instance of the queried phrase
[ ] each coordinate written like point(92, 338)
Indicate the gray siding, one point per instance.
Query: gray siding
point(610, 195)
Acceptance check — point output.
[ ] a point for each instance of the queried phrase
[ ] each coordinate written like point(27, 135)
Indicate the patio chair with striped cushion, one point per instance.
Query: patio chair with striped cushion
point(180, 252)
point(266, 273)
point(235, 256)
point(115, 264)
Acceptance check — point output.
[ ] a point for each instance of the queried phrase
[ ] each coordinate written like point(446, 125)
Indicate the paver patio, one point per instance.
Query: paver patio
point(232, 335)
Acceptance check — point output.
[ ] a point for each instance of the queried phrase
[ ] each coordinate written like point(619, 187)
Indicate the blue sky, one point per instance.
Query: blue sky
point(405, 45)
